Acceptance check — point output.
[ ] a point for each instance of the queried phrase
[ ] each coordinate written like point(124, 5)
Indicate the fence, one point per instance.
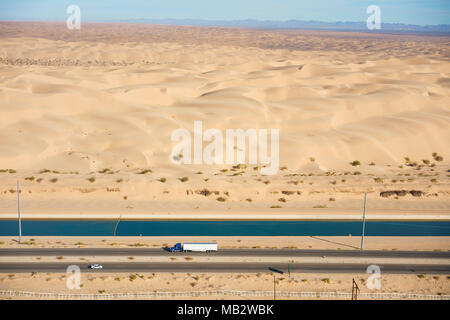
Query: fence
point(230, 293)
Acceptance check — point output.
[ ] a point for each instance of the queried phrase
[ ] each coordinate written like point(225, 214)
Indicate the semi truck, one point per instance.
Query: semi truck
point(194, 247)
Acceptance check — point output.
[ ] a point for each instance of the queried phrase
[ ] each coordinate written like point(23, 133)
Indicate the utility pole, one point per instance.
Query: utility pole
point(364, 222)
point(274, 290)
point(18, 212)
point(117, 224)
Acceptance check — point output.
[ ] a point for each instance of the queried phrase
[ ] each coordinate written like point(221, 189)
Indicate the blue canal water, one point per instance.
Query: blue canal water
point(223, 228)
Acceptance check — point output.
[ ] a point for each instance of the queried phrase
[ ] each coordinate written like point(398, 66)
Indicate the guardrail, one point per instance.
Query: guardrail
point(231, 293)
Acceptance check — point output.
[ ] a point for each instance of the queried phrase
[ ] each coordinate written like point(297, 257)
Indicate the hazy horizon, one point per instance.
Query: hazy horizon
point(408, 12)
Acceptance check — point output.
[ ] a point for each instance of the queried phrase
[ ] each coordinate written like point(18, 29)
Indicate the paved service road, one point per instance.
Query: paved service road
point(223, 253)
point(242, 267)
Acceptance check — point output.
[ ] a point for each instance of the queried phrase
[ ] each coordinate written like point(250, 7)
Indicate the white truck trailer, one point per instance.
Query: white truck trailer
point(195, 247)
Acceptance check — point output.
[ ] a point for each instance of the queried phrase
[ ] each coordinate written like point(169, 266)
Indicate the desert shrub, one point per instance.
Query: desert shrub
point(29, 178)
point(416, 193)
point(184, 179)
point(54, 180)
point(378, 180)
point(355, 163)
point(8, 170)
point(282, 200)
point(91, 179)
point(437, 157)
point(137, 245)
point(132, 277)
point(275, 207)
point(163, 180)
point(204, 192)
point(221, 199)
point(145, 171)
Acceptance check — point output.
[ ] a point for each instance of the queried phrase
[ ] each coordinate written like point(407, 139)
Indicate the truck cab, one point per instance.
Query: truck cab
point(176, 248)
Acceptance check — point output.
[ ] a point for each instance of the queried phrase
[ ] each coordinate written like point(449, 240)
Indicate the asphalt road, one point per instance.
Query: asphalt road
point(242, 267)
point(222, 253)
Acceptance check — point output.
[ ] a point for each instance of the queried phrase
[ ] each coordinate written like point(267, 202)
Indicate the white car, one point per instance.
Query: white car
point(96, 266)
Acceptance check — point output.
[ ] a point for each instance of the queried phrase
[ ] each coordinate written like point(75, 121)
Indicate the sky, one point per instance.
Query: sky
point(419, 12)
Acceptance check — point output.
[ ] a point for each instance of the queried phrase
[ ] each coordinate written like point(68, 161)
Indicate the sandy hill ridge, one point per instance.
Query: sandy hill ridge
point(108, 98)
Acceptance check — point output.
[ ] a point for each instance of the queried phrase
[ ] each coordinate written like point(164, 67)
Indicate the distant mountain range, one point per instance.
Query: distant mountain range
point(296, 24)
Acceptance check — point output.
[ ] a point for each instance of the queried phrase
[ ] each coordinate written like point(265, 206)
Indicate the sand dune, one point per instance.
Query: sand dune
point(110, 97)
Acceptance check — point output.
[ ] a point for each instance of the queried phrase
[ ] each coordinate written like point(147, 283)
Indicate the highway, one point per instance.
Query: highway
point(242, 267)
point(223, 253)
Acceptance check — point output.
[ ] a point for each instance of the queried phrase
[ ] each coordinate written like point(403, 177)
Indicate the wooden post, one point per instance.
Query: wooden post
point(355, 290)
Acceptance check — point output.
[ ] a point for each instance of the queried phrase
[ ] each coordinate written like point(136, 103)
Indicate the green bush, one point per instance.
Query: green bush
point(145, 171)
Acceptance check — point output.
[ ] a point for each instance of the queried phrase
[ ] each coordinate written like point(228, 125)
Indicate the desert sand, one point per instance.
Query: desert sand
point(437, 285)
point(86, 119)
